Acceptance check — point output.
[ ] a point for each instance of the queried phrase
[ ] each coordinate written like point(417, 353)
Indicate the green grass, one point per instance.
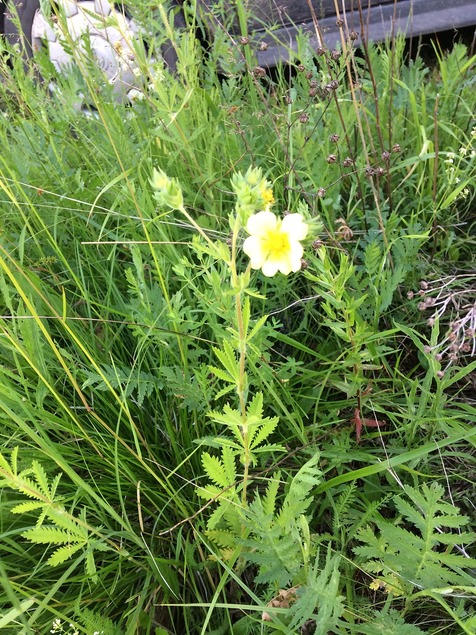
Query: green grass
point(113, 308)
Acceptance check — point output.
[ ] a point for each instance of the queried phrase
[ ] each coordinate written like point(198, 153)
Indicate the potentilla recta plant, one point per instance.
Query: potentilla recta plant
point(244, 525)
point(272, 244)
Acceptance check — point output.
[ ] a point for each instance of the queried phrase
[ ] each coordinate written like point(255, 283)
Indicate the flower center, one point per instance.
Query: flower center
point(276, 243)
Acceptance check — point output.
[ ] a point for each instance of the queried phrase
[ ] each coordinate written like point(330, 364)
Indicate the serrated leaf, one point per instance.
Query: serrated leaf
point(262, 432)
point(222, 374)
point(51, 535)
point(228, 360)
point(63, 553)
point(62, 518)
point(30, 489)
point(209, 491)
point(228, 458)
point(270, 447)
point(28, 506)
point(90, 566)
point(269, 499)
point(41, 478)
point(215, 469)
point(222, 538)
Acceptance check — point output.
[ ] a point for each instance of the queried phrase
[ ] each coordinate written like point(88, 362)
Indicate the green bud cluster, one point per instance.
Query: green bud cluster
point(167, 190)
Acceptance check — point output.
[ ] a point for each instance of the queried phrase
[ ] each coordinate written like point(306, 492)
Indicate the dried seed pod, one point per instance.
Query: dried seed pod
point(331, 158)
point(259, 71)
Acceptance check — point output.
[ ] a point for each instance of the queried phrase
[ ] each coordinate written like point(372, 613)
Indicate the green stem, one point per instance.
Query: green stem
point(241, 384)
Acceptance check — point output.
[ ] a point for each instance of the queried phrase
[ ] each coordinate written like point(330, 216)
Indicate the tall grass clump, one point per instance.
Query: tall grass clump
point(237, 340)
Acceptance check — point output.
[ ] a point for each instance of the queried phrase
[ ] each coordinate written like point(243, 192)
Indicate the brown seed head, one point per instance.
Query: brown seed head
point(259, 71)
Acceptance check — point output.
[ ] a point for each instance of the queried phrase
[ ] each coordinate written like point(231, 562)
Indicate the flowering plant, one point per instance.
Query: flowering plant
point(274, 245)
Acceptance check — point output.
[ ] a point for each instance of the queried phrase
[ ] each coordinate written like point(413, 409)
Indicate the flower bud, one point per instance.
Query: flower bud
point(167, 190)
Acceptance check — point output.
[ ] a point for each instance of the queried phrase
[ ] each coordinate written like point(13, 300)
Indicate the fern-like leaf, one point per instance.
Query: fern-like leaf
point(413, 553)
point(53, 535)
point(320, 592)
point(62, 554)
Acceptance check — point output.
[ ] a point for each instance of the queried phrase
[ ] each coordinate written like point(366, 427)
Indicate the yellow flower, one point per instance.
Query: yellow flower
point(267, 195)
point(273, 244)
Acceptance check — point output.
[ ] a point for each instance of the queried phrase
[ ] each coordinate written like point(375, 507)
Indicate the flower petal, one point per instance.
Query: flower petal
point(253, 248)
point(295, 254)
point(261, 224)
point(270, 267)
point(295, 227)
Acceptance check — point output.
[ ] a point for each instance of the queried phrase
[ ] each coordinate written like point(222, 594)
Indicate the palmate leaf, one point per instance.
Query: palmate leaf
point(231, 419)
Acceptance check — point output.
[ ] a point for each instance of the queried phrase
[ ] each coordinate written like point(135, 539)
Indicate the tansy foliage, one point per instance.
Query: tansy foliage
point(55, 525)
point(419, 549)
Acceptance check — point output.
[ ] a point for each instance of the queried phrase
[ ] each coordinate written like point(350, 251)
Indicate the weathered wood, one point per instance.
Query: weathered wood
point(410, 17)
point(296, 11)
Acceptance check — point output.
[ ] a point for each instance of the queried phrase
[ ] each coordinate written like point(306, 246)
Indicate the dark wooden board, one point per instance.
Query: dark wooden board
point(298, 11)
point(384, 17)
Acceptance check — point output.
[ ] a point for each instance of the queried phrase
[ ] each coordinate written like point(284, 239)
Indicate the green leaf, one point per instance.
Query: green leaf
point(63, 553)
point(52, 535)
point(269, 499)
point(215, 469)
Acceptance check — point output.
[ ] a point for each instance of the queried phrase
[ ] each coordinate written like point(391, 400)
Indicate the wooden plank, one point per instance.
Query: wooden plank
point(297, 11)
point(410, 17)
